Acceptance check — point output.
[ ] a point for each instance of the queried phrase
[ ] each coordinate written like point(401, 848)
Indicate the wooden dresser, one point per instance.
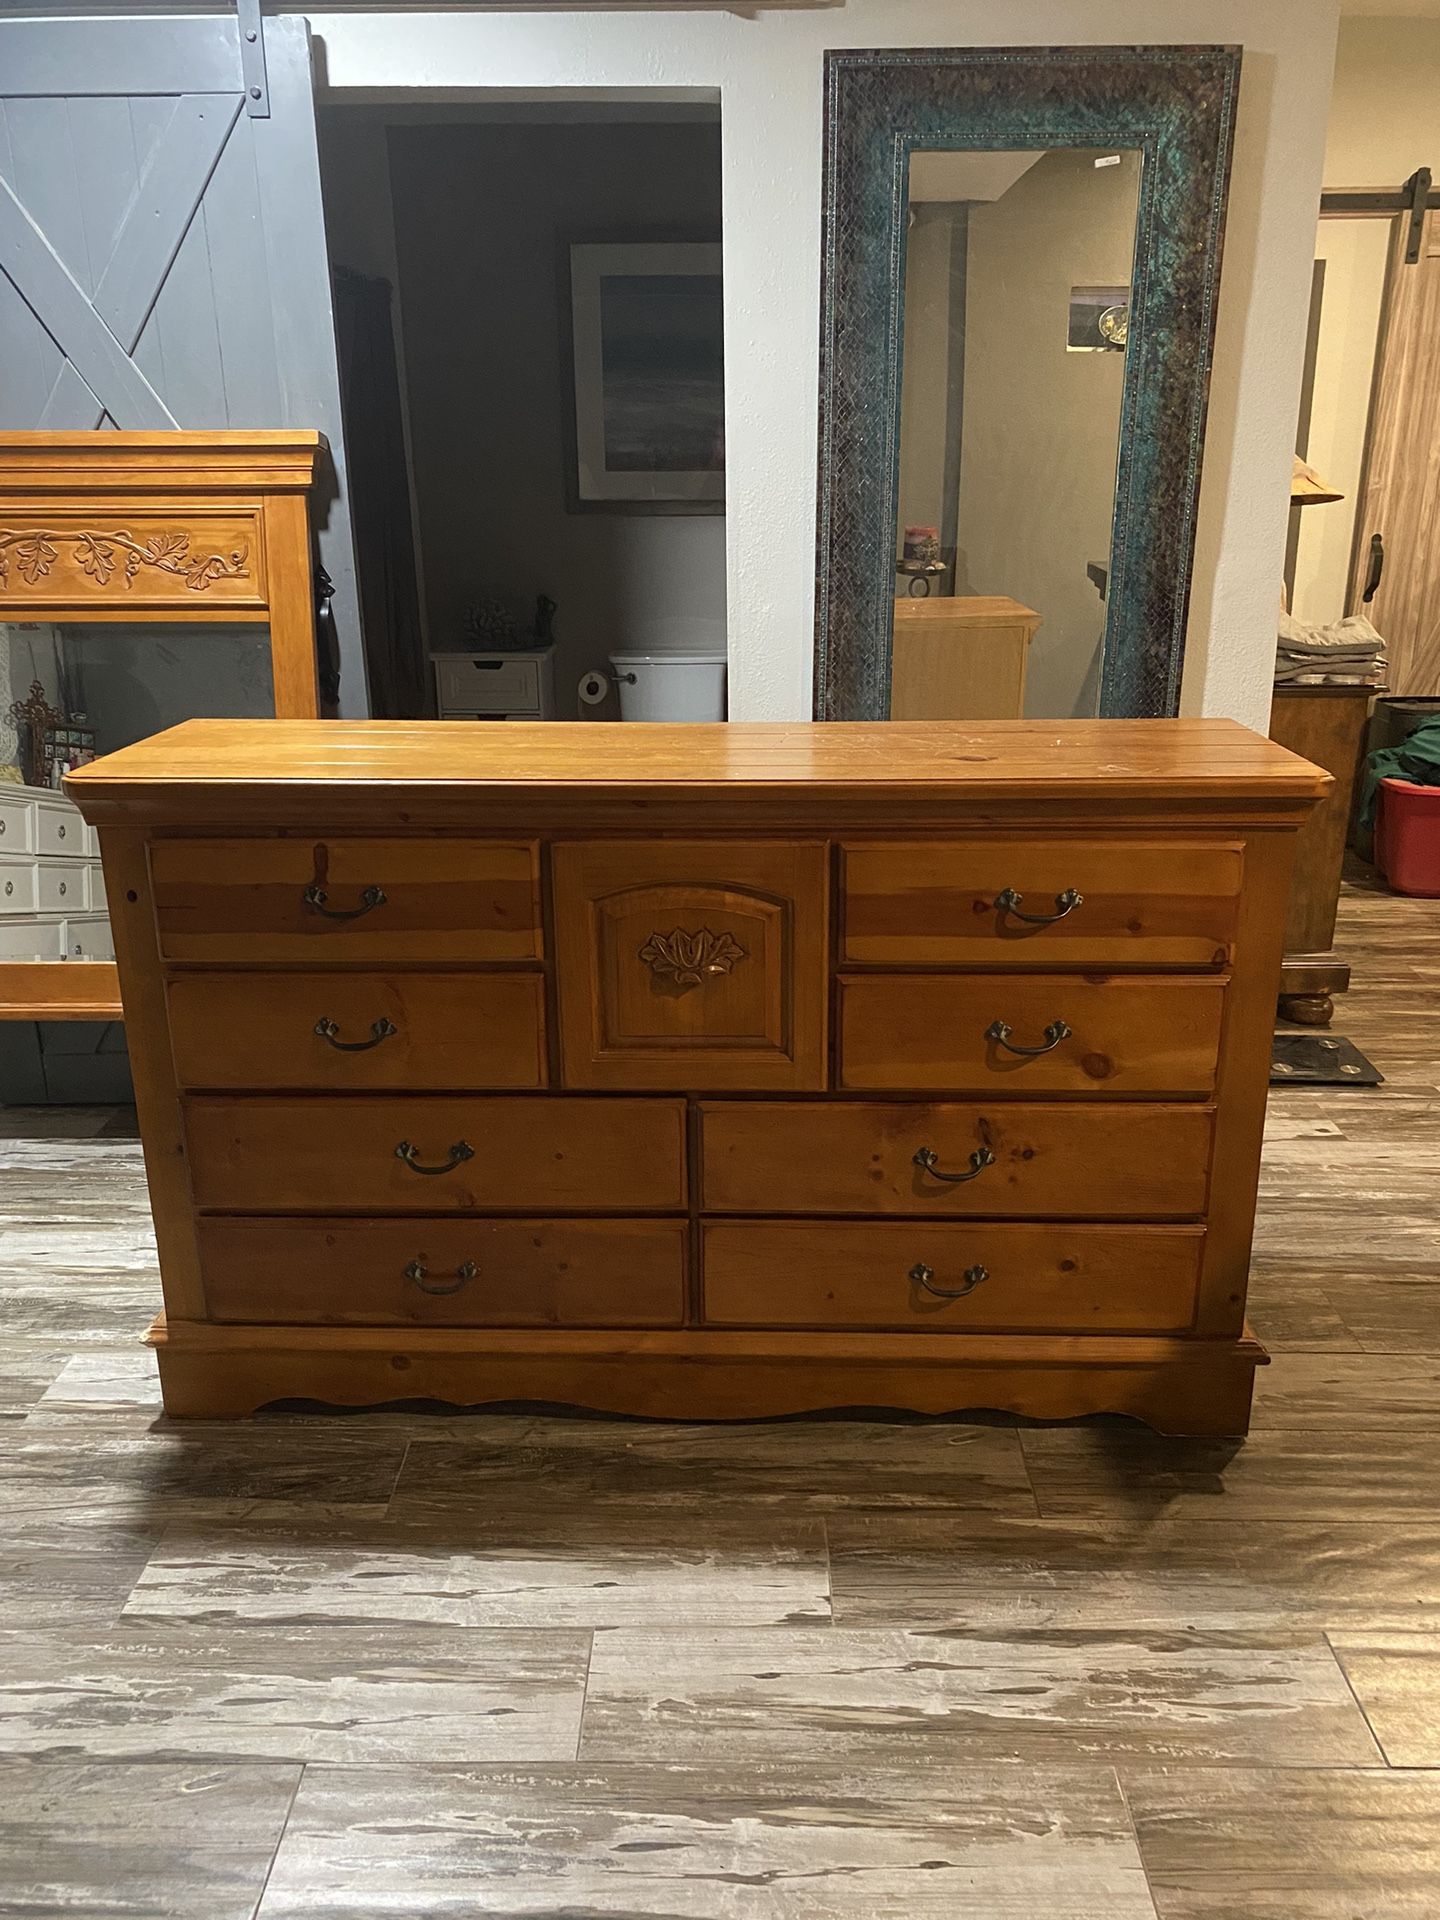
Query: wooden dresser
point(703, 1071)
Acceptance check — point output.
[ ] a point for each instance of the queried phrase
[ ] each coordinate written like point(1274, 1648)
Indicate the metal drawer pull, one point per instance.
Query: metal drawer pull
point(419, 1276)
point(925, 1277)
point(460, 1152)
point(329, 1030)
point(927, 1160)
point(316, 896)
point(1066, 902)
point(1054, 1034)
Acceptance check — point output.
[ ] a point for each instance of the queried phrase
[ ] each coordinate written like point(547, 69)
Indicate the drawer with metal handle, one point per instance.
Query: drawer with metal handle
point(352, 1031)
point(316, 901)
point(460, 1273)
point(1040, 901)
point(936, 1277)
point(1030, 1033)
point(435, 1153)
point(1058, 1160)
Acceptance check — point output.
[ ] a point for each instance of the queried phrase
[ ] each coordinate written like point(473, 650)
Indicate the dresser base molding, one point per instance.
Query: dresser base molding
point(1180, 1387)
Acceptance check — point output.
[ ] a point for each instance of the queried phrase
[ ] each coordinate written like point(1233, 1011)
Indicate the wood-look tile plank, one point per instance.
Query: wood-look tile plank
point(1277, 1474)
point(26, 1370)
point(170, 1691)
point(1242, 1843)
point(980, 1572)
point(139, 1842)
point(105, 1380)
point(54, 1579)
point(572, 1568)
point(1205, 1697)
point(88, 1469)
point(815, 1465)
point(1342, 1392)
point(56, 1183)
point(1396, 1677)
point(789, 1840)
point(1394, 1313)
point(1296, 1314)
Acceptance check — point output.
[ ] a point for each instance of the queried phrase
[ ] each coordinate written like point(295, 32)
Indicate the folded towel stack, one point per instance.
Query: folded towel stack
point(1348, 654)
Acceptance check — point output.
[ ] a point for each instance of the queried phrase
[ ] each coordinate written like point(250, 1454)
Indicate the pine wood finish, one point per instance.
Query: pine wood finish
point(340, 1032)
point(326, 901)
point(905, 1032)
point(341, 1155)
point(1328, 726)
point(686, 924)
point(1059, 1279)
point(1145, 903)
point(1022, 1159)
point(702, 961)
point(436, 1273)
point(960, 658)
point(159, 528)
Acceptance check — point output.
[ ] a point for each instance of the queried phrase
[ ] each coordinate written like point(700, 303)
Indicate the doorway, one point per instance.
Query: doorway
point(546, 273)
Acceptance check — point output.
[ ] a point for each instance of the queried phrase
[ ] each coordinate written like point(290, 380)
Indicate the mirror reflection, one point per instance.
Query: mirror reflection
point(69, 692)
point(1017, 296)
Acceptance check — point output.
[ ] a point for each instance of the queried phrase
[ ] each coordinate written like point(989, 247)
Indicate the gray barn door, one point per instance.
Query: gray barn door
point(162, 246)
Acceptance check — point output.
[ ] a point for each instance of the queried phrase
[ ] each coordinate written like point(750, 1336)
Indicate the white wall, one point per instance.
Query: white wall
point(1385, 114)
point(768, 70)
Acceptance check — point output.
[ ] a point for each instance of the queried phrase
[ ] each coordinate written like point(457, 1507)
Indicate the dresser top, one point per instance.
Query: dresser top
point(191, 770)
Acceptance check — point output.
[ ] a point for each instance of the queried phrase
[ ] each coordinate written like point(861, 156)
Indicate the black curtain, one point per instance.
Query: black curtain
point(379, 497)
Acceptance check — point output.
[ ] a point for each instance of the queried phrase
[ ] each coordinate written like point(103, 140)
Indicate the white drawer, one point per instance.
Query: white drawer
point(89, 939)
point(95, 887)
point(487, 684)
point(60, 887)
point(32, 940)
point(17, 886)
point(17, 820)
point(58, 827)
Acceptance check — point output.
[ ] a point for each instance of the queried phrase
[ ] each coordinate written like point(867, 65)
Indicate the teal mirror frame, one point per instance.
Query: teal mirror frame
point(1176, 105)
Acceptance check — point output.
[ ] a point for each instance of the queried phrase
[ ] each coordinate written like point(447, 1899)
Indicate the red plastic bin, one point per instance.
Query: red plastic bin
point(1407, 837)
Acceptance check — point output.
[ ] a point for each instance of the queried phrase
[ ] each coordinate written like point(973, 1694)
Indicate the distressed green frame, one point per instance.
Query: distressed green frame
point(1177, 106)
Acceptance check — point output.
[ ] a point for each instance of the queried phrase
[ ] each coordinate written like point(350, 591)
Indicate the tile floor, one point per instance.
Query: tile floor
point(386, 1666)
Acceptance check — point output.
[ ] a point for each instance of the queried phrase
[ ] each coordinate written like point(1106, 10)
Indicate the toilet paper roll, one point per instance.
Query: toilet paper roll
point(593, 688)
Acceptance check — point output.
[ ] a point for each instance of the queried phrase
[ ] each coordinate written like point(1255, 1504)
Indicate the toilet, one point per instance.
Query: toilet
point(670, 686)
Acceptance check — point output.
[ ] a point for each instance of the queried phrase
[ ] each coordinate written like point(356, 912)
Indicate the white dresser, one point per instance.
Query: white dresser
point(495, 686)
point(52, 896)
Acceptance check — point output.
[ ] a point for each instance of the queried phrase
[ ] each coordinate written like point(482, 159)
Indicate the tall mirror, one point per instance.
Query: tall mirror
point(1021, 255)
point(1016, 316)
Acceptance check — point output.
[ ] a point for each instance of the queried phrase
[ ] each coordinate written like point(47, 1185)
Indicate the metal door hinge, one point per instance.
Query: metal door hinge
point(1417, 195)
point(252, 59)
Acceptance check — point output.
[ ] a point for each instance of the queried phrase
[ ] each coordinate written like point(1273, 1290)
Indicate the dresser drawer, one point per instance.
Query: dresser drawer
point(343, 899)
point(60, 887)
point(1011, 1158)
point(1097, 1036)
point(17, 819)
point(457, 1273)
point(353, 1031)
point(18, 886)
point(516, 1155)
point(1064, 1279)
point(685, 964)
point(487, 684)
point(1141, 903)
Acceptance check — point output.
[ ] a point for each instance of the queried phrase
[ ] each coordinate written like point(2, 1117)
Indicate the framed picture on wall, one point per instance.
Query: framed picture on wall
point(646, 363)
